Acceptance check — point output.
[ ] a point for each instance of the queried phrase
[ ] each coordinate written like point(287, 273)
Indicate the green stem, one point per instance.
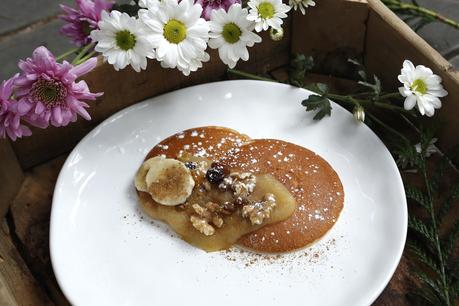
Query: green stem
point(436, 234)
point(420, 11)
point(64, 55)
point(82, 53)
point(85, 58)
point(249, 75)
point(390, 95)
point(393, 131)
point(350, 99)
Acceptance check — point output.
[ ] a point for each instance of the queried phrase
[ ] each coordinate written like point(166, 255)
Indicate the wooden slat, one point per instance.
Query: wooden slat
point(390, 41)
point(11, 176)
point(330, 25)
point(17, 285)
point(30, 213)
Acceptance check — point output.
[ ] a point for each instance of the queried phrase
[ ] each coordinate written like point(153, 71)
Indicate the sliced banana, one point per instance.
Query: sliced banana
point(168, 181)
point(140, 182)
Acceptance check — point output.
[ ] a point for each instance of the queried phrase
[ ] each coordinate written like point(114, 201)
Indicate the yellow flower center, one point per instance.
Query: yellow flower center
point(419, 86)
point(266, 10)
point(174, 31)
point(231, 33)
point(125, 40)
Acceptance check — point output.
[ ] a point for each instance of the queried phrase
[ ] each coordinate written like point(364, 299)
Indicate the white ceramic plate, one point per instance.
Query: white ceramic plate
point(106, 252)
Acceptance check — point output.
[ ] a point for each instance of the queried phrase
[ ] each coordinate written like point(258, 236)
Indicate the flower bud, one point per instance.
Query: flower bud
point(276, 35)
point(359, 113)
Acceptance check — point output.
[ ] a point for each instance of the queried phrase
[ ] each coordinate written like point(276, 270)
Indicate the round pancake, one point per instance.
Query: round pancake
point(314, 184)
point(211, 142)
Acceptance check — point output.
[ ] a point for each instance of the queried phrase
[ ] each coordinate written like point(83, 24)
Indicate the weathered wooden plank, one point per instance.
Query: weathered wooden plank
point(11, 176)
point(389, 41)
point(17, 285)
point(30, 212)
point(330, 25)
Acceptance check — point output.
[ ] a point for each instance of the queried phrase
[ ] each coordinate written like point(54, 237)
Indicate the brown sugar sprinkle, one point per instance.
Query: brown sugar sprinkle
point(315, 254)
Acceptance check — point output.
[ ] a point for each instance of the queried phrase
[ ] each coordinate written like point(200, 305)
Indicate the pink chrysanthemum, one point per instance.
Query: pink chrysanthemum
point(83, 19)
point(10, 122)
point(46, 91)
point(209, 5)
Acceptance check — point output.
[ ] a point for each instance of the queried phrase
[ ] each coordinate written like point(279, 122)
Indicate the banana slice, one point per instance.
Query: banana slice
point(168, 181)
point(140, 182)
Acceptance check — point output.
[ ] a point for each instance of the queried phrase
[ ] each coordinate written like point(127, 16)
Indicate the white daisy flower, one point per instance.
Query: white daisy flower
point(179, 34)
point(123, 40)
point(301, 4)
point(267, 13)
point(231, 33)
point(421, 87)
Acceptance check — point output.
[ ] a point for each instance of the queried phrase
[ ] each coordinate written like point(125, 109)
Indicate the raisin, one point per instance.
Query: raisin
point(216, 173)
point(191, 165)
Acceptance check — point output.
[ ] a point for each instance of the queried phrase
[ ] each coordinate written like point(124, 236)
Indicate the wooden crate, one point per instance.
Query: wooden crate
point(29, 166)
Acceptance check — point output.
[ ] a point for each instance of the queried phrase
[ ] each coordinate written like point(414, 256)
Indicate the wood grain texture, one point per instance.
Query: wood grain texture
point(17, 285)
point(11, 176)
point(389, 42)
point(330, 25)
point(30, 213)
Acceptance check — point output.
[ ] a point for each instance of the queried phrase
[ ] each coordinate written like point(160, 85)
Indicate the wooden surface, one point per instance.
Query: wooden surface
point(389, 42)
point(17, 285)
point(10, 176)
point(331, 26)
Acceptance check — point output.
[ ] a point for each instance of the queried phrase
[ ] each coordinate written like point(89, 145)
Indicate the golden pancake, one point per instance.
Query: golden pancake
point(314, 184)
point(207, 144)
point(211, 142)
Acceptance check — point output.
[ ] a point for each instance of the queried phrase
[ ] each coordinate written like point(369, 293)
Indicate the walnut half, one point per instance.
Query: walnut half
point(256, 212)
point(242, 184)
point(206, 218)
point(202, 225)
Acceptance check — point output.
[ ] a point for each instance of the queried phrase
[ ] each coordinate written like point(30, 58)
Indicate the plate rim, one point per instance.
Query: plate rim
point(52, 248)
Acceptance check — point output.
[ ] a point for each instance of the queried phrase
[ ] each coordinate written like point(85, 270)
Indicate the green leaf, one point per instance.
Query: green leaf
point(428, 295)
point(432, 283)
point(449, 202)
point(376, 87)
point(408, 156)
point(417, 195)
point(322, 88)
point(421, 228)
point(424, 256)
point(299, 65)
point(320, 103)
point(450, 241)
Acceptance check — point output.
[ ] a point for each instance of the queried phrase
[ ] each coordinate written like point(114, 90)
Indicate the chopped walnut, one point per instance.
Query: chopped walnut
point(258, 211)
point(202, 225)
point(209, 213)
point(242, 184)
point(217, 221)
